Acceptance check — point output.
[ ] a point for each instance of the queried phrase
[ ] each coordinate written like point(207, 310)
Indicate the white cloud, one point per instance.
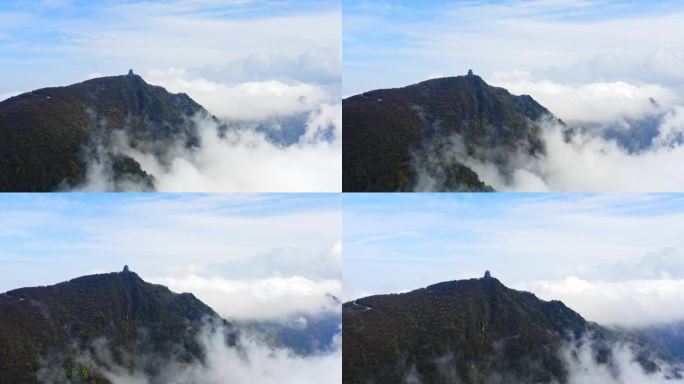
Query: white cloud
point(671, 126)
point(582, 42)
point(592, 102)
point(659, 65)
point(263, 365)
point(630, 303)
point(249, 256)
point(252, 362)
point(590, 163)
point(666, 63)
point(320, 64)
point(624, 366)
point(243, 161)
point(245, 101)
point(614, 258)
point(178, 237)
point(336, 254)
point(265, 298)
point(229, 42)
point(148, 35)
point(235, 237)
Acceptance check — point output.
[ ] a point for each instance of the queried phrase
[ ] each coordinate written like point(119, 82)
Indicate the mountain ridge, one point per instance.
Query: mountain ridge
point(91, 327)
point(392, 136)
point(49, 136)
point(44, 331)
point(472, 331)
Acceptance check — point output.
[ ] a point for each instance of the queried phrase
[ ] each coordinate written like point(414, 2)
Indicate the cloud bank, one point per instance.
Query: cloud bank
point(252, 256)
point(588, 163)
point(254, 100)
point(263, 299)
point(589, 360)
point(630, 303)
point(227, 41)
point(247, 156)
point(623, 368)
point(632, 293)
point(579, 42)
point(615, 258)
point(251, 361)
point(589, 102)
point(260, 65)
point(618, 137)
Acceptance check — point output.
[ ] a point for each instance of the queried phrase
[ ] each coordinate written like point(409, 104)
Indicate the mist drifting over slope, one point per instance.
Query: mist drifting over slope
point(269, 136)
point(582, 364)
point(269, 71)
point(619, 136)
point(250, 360)
point(615, 136)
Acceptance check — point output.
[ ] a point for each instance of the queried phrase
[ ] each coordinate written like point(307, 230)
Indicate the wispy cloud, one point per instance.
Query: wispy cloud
point(211, 245)
point(270, 62)
point(76, 38)
point(399, 43)
point(622, 243)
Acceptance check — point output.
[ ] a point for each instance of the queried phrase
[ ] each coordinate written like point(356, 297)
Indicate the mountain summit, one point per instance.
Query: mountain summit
point(48, 136)
point(467, 331)
point(45, 332)
point(391, 136)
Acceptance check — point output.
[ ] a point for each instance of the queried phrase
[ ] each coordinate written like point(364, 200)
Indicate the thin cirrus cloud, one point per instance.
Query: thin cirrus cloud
point(204, 36)
point(588, 61)
point(274, 249)
point(606, 256)
point(563, 40)
point(256, 61)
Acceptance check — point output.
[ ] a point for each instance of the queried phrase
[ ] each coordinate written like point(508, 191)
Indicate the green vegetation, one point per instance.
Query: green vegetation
point(127, 170)
point(47, 136)
point(46, 329)
point(479, 331)
point(383, 128)
point(465, 331)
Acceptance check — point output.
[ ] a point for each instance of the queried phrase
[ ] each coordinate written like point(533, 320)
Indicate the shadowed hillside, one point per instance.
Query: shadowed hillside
point(392, 135)
point(44, 331)
point(472, 331)
point(47, 136)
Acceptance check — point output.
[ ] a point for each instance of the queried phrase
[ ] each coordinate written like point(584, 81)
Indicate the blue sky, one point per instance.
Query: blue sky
point(250, 61)
point(57, 42)
point(217, 246)
point(394, 42)
point(596, 252)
